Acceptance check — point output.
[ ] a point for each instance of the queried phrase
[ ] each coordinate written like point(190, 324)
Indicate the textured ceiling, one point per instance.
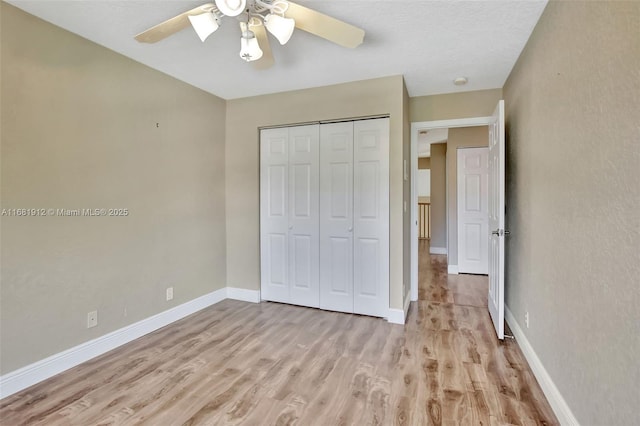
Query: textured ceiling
point(429, 42)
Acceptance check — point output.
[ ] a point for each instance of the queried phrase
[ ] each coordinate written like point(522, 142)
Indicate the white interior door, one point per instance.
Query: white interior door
point(336, 216)
point(371, 217)
point(304, 222)
point(473, 210)
point(274, 221)
point(496, 218)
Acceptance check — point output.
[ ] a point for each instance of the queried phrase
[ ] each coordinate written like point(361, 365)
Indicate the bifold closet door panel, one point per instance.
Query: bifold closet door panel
point(371, 217)
point(336, 216)
point(324, 216)
point(304, 224)
point(274, 214)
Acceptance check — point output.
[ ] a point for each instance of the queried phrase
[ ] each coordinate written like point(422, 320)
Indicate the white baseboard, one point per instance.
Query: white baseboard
point(396, 316)
point(452, 269)
point(29, 375)
point(243, 294)
point(557, 402)
point(437, 250)
point(399, 316)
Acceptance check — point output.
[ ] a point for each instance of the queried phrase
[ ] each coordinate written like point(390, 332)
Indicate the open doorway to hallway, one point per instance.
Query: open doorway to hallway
point(489, 132)
point(442, 165)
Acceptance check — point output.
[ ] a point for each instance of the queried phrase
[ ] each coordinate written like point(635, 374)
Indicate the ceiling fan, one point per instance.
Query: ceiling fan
point(256, 17)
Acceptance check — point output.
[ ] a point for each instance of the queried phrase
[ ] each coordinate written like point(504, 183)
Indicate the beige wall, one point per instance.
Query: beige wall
point(451, 106)
point(438, 195)
point(463, 137)
point(573, 203)
point(78, 130)
point(245, 116)
point(424, 163)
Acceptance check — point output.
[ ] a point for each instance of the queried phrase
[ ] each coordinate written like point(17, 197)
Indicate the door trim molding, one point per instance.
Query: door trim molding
point(416, 127)
point(329, 121)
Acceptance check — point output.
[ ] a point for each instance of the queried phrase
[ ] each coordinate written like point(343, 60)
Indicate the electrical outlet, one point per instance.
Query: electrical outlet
point(526, 319)
point(169, 293)
point(92, 319)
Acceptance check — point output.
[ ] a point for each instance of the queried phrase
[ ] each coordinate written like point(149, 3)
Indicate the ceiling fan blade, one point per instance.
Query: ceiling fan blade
point(325, 26)
point(266, 61)
point(172, 26)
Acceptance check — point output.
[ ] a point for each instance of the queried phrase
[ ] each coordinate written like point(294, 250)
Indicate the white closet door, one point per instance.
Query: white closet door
point(336, 216)
point(274, 222)
point(304, 231)
point(371, 217)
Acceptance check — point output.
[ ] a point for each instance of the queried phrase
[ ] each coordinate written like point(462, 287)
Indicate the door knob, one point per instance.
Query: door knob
point(496, 232)
point(290, 226)
point(350, 228)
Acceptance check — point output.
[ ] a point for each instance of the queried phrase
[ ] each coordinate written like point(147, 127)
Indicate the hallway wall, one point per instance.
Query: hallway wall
point(438, 166)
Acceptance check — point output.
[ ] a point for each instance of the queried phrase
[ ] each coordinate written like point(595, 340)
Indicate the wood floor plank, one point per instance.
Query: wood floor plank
point(238, 363)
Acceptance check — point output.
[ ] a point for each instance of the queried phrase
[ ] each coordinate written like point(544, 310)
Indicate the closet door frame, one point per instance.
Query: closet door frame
point(362, 226)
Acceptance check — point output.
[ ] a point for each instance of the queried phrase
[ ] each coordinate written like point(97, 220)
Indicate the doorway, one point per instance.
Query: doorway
point(495, 124)
point(416, 128)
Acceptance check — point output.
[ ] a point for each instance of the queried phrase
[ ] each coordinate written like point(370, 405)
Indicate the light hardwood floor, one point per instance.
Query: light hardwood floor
point(273, 364)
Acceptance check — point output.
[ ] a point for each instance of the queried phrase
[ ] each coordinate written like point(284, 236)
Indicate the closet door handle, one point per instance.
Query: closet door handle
point(290, 226)
point(350, 228)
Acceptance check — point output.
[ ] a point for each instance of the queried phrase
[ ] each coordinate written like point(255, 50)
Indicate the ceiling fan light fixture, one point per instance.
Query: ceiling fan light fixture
point(257, 18)
point(231, 7)
point(249, 47)
point(281, 27)
point(204, 24)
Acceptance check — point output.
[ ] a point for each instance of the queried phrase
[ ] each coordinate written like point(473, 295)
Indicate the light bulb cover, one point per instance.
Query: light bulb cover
point(281, 27)
point(460, 81)
point(249, 48)
point(231, 7)
point(204, 24)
